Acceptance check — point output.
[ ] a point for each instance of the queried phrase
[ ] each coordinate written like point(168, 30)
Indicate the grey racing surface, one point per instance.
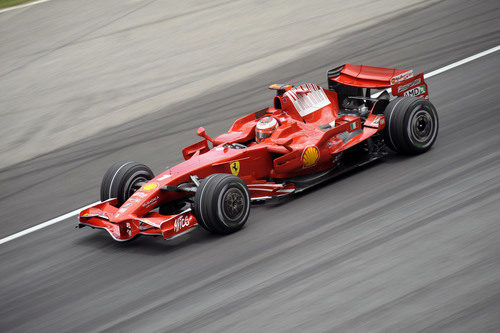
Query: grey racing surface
point(409, 244)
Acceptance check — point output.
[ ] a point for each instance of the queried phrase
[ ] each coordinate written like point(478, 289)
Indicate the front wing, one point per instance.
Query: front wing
point(102, 214)
point(153, 224)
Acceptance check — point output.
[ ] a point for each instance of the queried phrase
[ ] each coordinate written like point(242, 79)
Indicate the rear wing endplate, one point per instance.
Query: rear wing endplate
point(412, 86)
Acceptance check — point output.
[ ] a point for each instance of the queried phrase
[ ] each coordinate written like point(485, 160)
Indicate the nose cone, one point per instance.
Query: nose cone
point(124, 213)
point(139, 203)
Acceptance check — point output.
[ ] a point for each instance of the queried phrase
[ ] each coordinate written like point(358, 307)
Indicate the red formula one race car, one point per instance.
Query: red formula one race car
point(310, 134)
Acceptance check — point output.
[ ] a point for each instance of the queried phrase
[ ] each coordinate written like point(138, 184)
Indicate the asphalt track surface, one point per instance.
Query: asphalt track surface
point(405, 245)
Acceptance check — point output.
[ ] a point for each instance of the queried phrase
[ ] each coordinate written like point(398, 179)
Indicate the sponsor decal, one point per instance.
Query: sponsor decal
point(401, 77)
point(126, 205)
point(86, 214)
point(310, 156)
point(408, 85)
point(307, 98)
point(165, 177)
point(379, 121)
point(182, 222)
point(149, 186)
point(150, 202)
point(353, 126)
point(134, 199)
point(235, 167)
point(416, 91)
point(139, 194)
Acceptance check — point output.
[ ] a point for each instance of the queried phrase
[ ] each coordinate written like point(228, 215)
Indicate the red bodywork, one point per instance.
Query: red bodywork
point(298, 147)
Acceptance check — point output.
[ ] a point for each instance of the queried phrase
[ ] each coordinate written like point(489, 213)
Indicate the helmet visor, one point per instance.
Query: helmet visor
point(262, 134)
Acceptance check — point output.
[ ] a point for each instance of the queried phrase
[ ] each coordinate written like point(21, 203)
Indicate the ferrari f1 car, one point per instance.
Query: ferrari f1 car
point(307, 136)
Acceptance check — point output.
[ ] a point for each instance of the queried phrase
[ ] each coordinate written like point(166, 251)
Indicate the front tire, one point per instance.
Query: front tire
point(222, 203)
point(122, 179)
point(411, 125)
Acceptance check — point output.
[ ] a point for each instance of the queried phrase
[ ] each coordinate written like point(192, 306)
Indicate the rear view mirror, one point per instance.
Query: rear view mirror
point(201, 132)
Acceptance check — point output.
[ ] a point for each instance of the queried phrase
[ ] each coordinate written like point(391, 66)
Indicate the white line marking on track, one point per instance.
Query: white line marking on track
point(77, 211)
point(461, 62)
point(23, 5)
point(45, 224)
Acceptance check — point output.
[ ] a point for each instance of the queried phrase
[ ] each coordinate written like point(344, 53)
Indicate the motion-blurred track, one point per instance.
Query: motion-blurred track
point(409, 244)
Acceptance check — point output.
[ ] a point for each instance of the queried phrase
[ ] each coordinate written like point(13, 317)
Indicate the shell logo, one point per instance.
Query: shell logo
point(310, 156)
point(150, 186)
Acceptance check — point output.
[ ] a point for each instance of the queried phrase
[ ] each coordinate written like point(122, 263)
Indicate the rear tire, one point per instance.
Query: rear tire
point(122, 179)
point(411, 125)
point(222, 203)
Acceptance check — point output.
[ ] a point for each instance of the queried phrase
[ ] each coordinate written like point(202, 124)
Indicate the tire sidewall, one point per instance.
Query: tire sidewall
point(123, 186)
point(398, 134)
point(208, 201)
point(119, 177)
point(417, 106)
point(226, 220)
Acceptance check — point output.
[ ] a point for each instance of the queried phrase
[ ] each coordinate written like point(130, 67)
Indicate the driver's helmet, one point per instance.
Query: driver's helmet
point(265, 127)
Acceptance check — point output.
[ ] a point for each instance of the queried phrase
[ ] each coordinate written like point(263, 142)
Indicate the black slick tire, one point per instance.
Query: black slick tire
point(222, 203)
point(411, 125)
point(122, 179)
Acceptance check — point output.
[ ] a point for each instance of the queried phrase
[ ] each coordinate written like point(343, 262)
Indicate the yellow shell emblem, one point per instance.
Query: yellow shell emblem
point(310, 156)
point(150, 186)
point(235, 167)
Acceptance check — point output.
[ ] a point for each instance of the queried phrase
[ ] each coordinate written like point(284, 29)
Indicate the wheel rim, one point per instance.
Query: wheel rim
point(422, 126)
point(233, 204)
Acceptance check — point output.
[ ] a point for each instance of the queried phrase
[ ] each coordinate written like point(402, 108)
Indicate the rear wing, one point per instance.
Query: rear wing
point(400, 82)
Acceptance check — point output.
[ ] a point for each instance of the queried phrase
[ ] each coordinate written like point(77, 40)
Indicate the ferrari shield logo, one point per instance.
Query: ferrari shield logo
point(235, 168)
